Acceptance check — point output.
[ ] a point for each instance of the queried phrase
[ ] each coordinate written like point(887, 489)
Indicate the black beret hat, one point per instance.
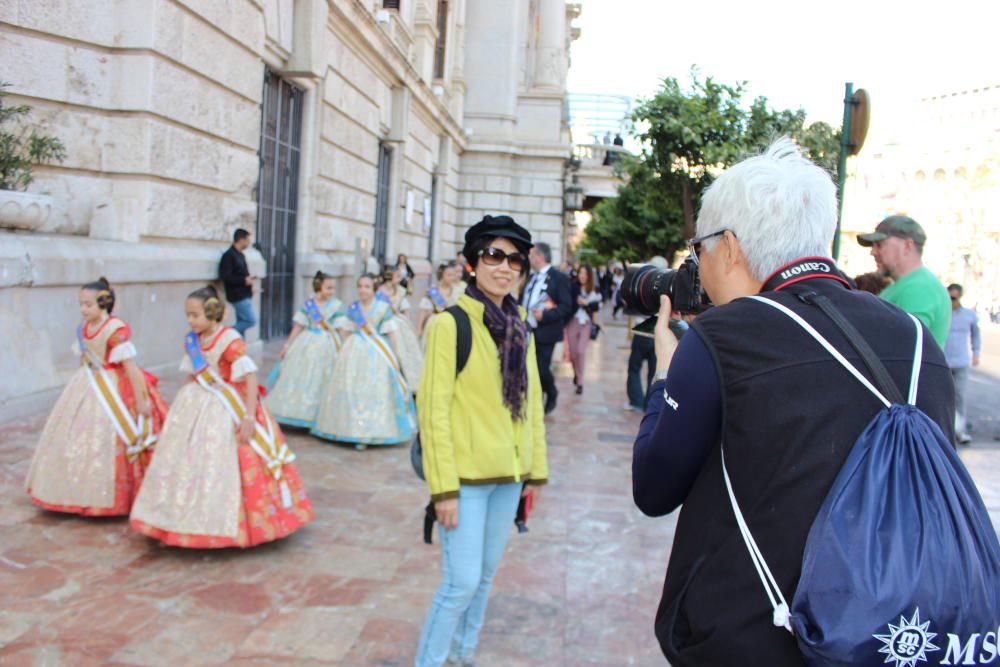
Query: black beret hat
point(496, 225)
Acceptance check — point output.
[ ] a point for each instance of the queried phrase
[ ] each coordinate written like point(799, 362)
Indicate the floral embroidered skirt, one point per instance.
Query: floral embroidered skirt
point(206, 491)
point(80, 465)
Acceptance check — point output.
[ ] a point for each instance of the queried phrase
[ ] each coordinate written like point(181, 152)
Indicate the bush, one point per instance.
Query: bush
point(21, 147)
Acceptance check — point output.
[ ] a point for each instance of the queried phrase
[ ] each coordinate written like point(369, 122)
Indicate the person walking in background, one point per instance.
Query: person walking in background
point(604, 281)
point(642, 352)
point(411, 356)
point(440, 296)
point(483, 437)
point(238, 282)
point(403, 266)
point(897, 245)
point(872, 282)
point(587, 300)
point(549, 303)
point(963, 335)
point(617, 278)
point(463, 263)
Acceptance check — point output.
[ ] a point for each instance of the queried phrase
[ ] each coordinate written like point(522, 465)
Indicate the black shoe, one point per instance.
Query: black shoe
point(579, 389)
point(550, 403)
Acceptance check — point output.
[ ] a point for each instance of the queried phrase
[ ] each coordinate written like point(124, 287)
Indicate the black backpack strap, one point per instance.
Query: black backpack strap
point(878, 370)
point(463, 340)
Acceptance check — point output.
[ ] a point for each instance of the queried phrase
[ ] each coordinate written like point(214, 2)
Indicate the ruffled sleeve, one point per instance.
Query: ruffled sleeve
point(425, 304)
point(404, 305)
point(121, 352)
point(240, 363)
point(343, 322)
point(241, 367)
point(186, 365)
point(75, 348)
point(388, 325)
point(300, 318)
point(120, 346)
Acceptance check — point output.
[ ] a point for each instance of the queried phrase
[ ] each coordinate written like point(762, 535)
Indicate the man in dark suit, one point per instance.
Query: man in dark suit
point(547, 298)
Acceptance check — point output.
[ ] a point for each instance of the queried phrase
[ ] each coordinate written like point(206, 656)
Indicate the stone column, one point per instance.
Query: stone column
point(550, 51)
point(491, 52)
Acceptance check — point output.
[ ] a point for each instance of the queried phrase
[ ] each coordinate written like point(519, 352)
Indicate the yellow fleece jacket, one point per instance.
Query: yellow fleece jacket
point(466, 432)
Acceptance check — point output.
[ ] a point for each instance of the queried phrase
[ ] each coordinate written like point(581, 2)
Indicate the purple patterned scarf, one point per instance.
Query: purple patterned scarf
point(510, 334)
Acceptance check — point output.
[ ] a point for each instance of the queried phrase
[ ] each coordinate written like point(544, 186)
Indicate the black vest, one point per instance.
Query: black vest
point(791, 414)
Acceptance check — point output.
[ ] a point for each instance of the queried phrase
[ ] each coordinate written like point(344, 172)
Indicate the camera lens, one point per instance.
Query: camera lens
point(643, 286)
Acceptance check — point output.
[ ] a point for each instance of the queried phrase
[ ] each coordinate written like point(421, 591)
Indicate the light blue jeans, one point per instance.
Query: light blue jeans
point(470, 555)
point(245, 317)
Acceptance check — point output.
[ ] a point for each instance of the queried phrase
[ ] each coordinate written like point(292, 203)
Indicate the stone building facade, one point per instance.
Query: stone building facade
point(341, 132)
point(940, 165)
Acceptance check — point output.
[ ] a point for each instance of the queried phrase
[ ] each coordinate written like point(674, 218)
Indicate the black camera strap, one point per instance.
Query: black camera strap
point(857, 341)
point(805, 268)
point(810, 268)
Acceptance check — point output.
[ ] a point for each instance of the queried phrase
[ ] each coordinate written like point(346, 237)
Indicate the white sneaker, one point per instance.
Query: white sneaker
point(963, 438)
point(631, 408)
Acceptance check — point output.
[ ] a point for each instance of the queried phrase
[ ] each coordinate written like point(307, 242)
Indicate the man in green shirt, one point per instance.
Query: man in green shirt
point(897, 245)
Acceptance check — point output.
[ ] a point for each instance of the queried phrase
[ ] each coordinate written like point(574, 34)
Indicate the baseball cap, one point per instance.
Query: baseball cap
point(901, 226)
point(497, 225)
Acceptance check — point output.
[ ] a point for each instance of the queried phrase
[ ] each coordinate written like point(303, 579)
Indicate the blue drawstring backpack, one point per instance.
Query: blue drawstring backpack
point(902, 564)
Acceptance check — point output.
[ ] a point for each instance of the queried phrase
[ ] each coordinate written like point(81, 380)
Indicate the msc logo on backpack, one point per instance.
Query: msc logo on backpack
point(909, 642)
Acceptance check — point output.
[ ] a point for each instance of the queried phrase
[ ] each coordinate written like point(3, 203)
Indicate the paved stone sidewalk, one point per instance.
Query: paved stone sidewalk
point(351, 588)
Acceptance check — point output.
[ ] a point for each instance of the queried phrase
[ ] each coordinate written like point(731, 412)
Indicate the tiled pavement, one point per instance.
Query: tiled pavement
point(351, 588)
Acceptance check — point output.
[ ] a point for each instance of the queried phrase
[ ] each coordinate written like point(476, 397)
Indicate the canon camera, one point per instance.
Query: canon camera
point(644, 283)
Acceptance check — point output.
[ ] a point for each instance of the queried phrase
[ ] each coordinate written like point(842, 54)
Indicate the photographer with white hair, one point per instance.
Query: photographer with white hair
point(748, 379)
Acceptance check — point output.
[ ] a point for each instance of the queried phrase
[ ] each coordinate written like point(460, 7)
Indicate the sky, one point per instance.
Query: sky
point(797, 54)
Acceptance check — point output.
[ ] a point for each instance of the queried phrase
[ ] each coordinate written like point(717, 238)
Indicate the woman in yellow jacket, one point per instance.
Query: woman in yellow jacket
point(482, 435)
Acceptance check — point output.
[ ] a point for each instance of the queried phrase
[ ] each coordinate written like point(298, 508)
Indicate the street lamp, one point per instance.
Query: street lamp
point(852, 138)
point(573, 195)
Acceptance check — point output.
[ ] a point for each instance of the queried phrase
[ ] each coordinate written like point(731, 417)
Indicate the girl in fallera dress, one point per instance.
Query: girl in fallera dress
point(440, 296)
point(368, 400)
point(411, 357)
point(307, 359)
point(98, 440)
point(223, 475)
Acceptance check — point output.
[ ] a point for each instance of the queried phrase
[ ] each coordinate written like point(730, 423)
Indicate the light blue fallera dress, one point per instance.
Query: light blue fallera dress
point(367, 401)
point(305, 372)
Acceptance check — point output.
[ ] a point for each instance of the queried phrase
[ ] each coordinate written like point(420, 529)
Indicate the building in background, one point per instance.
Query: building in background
point(341, 132)
point(942, 168)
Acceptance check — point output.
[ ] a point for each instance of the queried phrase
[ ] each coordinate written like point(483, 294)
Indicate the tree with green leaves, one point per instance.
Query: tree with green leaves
point(21, 147)
point(690, 135)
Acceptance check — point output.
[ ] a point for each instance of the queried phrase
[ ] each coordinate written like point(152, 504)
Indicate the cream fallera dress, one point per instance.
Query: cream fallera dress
point(205, 489)
point(80, 464)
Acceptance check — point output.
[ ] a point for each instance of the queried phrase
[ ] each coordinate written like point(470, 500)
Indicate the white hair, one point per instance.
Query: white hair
point(779, 205)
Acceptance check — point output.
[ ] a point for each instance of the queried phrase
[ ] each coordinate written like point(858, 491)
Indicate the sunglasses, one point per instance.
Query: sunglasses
point(495, 256)
point(694, 245)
